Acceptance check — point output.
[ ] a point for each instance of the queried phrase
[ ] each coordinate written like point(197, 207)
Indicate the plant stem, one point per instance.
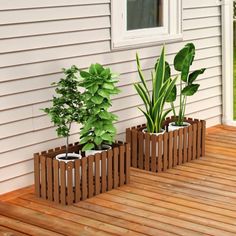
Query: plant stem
point(67, 141)
point(173, 108)
point(180, 103)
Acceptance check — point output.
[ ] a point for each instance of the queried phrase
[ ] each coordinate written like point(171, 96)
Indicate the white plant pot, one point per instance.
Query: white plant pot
point(157, 134)
point(93, 152)
point(173, 127)
point(60, 159)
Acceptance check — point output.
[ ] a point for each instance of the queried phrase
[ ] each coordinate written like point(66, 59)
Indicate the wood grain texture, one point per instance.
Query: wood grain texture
point(196, 198)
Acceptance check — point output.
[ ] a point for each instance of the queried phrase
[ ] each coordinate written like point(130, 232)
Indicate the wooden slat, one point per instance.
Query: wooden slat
point(104, 172)
point(84, 178)
point(165, 151)
point(203, 149)
point(56, 196)
point(194, 141)
point(98, 173)
point(160, 151)
point(43, 177)
point(128, 136)
point(170, 149)
point(109, 170)
point(147, 152)
point(70, 182)
point(77, 180)
point(49, 179)
point(63, 182)
point(37, 174)
point(199, 128)
point(115, 166)
point(140, 149)
point(121, 164)
point(190, 142)
point(180, 147)
point(90, 176)
point(185, 145)
point(134, 148)
point(154, 154)
point(127, 163)
point(175, 148)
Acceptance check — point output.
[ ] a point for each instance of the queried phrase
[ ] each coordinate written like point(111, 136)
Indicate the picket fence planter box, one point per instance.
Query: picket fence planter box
point(159, 153)
point(92, 175)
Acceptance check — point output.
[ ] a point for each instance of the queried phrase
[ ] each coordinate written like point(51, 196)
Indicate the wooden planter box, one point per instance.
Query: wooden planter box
point(92, 175)
point(159, 153)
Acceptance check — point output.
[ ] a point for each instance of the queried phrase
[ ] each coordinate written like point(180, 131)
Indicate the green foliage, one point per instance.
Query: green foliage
point(164, 90)
point(182, 63)
point(98, 128)
point(67, 104)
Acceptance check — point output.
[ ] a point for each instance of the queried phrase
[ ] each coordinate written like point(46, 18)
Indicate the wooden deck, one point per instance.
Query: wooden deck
point(198, 198)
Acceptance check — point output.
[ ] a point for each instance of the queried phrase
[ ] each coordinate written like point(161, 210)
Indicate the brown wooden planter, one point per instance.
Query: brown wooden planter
point(159, 153)
point(93, 174)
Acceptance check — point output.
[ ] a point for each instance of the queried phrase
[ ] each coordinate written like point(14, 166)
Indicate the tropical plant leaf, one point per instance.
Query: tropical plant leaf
point(150, 123)
point(160, 73)
point(186, 67)
point(97, 99)
point(143, 95)
point(173, 94)
point(84, 74)
point(104, 115)
point(108, 86)
point(88, 146)
point(193, 76)
point(104, 93)
point(190, 89)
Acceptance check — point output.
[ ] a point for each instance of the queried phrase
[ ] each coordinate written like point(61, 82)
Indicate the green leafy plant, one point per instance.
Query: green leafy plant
point(182, 63)
point(98, 128)
point(67, 106)
point(163, 88)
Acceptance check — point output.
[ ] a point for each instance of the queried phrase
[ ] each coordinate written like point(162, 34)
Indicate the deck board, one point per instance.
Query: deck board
point(197, 198)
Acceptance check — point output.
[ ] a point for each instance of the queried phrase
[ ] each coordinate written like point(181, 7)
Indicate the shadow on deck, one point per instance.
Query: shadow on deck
point(198, 198)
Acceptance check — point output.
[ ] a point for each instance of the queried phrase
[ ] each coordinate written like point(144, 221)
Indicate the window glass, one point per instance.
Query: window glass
point(143, 14)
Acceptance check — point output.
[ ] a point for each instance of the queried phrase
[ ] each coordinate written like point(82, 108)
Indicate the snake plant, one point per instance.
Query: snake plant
point(162, 91)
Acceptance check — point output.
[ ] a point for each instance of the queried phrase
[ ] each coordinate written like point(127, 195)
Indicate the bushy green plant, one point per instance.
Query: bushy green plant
point(98, 128)
point(67, 105)
point(182, 63)
point(162, 92)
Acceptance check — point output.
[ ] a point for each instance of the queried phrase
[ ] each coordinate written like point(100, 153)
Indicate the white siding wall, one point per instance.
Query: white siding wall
point(38, 38)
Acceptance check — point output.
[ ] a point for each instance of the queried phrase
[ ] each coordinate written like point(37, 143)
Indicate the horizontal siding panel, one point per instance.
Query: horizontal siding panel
point(26, 57)
point(53, 40)
point(201, 23)
point(49, 14)
point(41, 82)
point(22, 4)
point(54, 27)
point(201, 12)
point(17, 183)
point(48, 67)
point(26, 153)
point(191, 4)
point(202, 33)
point(23, 99)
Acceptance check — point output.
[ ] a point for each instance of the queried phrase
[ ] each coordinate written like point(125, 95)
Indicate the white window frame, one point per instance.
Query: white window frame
point(170, 31)
point(227, 62)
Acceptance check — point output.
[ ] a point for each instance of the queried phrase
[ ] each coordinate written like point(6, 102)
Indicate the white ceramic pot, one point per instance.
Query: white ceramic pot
point(173, 127)
point(157, 134)
point(72, 157)
point(93, 152)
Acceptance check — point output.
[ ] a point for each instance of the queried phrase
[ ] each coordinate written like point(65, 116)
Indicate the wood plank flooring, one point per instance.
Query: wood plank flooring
point(197, 198)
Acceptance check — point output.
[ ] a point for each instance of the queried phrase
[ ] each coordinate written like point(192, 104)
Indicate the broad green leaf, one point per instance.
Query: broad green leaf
point(182, 54)
point(93, 89)
point(190, 89)
point(99, 68)
point(84, 74)
point(107, 137)
point(97, 99)
point(167, 70)
point(186, 67)
point(98, 140)
point(104, 93)
point(172, 96)
point(85, 139)
point(193, 76)
point(92, 70)
point(88, 146)
point(99, 132)
point(108, 86)
point(170, 88)
point(110, 128)
point(104, 115)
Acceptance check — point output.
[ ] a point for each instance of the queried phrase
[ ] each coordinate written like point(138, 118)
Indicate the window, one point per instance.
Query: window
point(136, 22)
